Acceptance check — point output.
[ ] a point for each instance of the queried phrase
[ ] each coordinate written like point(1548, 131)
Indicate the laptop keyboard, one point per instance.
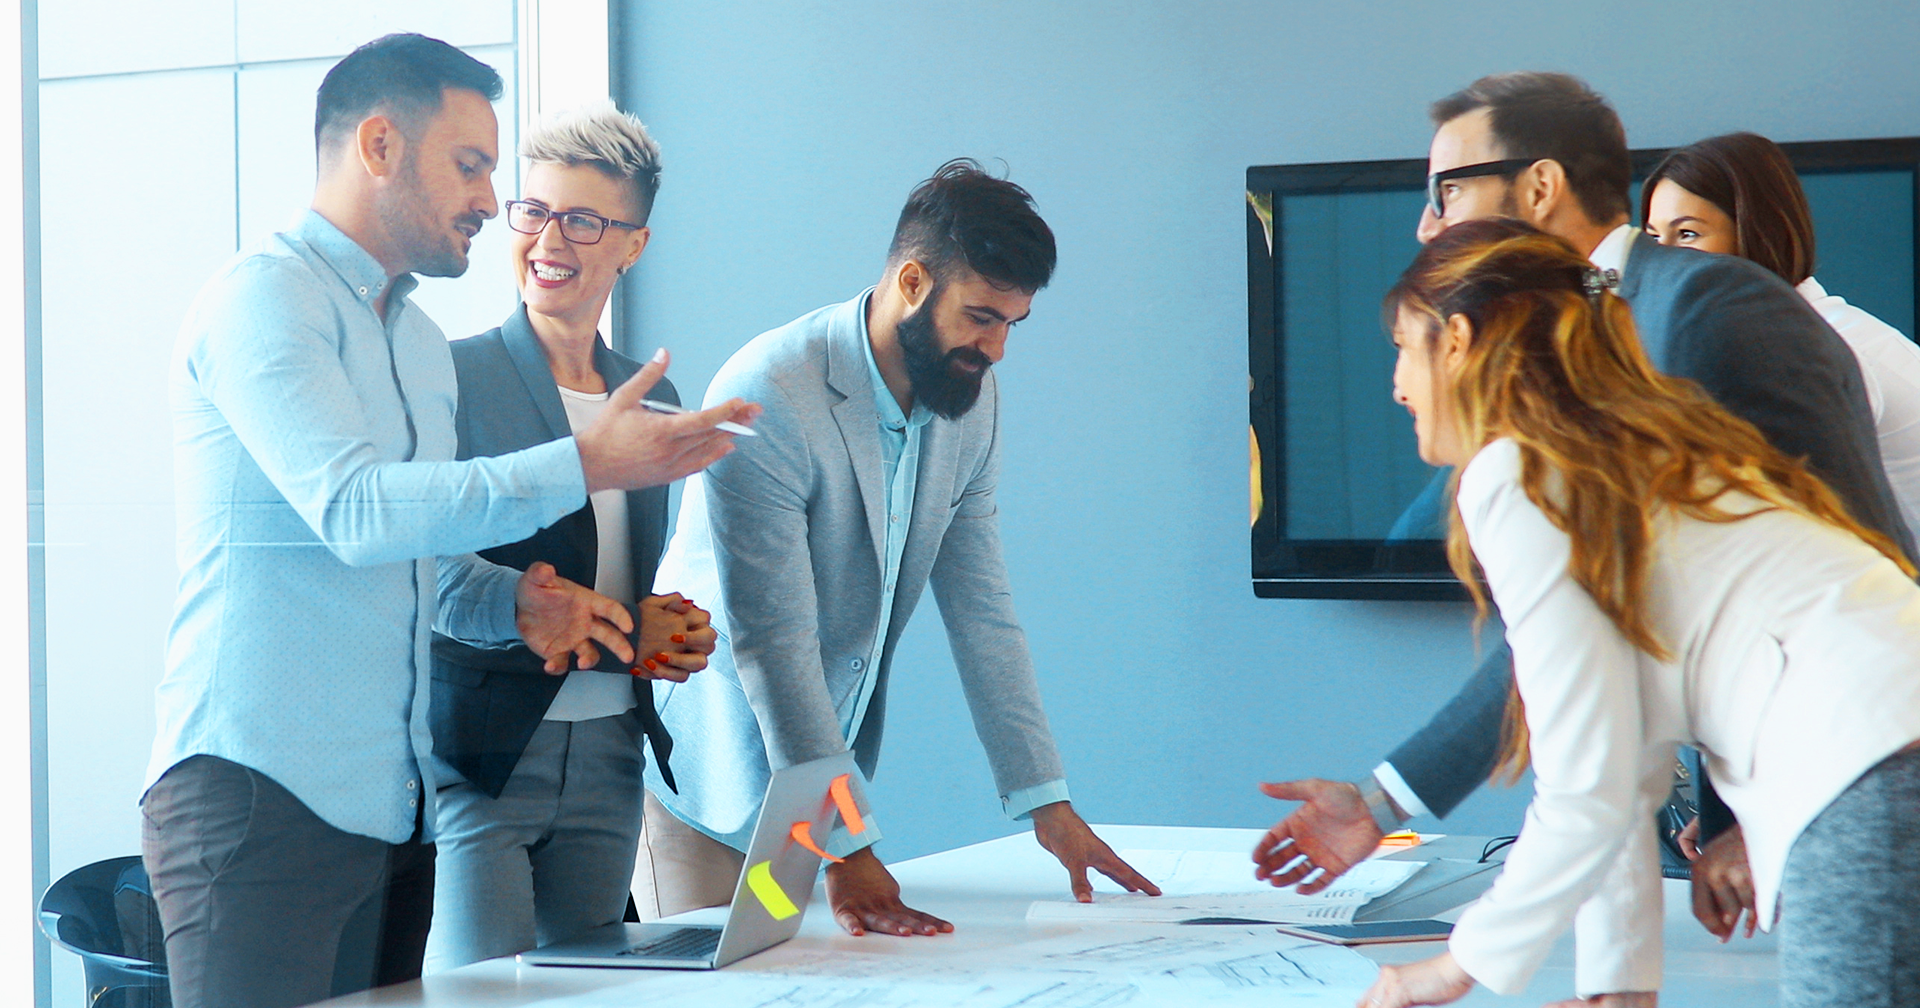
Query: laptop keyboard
point(686, 943)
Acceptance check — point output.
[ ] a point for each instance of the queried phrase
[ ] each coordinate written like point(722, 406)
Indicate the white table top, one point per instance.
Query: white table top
point(985, 890)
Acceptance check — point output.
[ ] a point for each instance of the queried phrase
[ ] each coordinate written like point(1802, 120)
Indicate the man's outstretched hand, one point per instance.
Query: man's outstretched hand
point(864, 897)
point(628, 447)
point(1059, 829)
point(559, 619)
point(1333, 830)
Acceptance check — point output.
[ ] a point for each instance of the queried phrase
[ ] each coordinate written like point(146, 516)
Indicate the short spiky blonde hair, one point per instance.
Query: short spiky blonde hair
point(599, 135)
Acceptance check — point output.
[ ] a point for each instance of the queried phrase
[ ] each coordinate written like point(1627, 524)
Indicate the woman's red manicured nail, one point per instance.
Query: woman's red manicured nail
point(650, 665)
point(678, 638)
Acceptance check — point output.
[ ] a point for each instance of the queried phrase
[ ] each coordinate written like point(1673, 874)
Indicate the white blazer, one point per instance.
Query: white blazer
point(1890, 365)
point(1796, 668)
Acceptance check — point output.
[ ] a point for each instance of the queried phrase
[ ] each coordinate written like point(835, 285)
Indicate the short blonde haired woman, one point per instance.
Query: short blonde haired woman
point(538, 827)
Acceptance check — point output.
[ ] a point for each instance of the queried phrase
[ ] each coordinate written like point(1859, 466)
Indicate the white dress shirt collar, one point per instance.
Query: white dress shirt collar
point(1611, 253)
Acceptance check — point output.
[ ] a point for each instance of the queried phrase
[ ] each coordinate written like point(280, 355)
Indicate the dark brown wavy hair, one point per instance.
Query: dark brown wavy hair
point(1750, 179)
point(1606, 442)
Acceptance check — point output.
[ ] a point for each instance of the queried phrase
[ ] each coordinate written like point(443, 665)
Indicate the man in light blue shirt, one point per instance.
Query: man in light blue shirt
point(325, 532)
point(872, 479)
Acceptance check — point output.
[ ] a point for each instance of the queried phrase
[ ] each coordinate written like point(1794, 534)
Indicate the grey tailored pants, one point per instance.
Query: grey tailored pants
point(1850, 896)
point(264, 904)
point(550, 857)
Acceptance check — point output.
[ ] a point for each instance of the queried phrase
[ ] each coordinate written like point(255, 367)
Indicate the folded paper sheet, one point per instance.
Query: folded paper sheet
point(1212, 884)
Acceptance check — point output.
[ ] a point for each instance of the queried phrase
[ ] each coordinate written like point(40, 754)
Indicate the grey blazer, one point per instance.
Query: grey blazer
point(781, 540)
point(488, 701)
point(1762, 352)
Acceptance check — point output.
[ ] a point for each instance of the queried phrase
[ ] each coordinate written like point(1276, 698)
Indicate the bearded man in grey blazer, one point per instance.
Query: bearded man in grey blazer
point(873, 476)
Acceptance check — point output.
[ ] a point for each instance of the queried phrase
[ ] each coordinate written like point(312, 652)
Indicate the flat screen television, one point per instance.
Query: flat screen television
point(1334, 467)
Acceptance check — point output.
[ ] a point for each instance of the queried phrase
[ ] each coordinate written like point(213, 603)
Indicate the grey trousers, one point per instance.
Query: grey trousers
point(552, 856)
point(264, 904)
point(680, 867)
point(1850, 897)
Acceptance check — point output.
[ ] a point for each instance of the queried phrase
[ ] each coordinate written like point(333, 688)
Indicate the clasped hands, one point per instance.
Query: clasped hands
point(566, 624)
point(865, 897)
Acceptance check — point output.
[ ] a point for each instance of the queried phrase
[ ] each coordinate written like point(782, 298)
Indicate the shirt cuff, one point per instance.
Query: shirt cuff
point(1020, 804)
point(841, 843)
point(1396, 788)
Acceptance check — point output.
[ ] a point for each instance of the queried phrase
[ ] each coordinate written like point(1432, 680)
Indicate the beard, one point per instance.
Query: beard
point(948, 384)
point(429, 247)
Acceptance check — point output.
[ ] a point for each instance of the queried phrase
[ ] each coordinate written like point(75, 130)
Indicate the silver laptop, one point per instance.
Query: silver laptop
point(769, 900)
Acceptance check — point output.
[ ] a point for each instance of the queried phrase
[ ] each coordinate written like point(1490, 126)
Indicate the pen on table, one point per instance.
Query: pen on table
point(1404, 838)
point(726, 425)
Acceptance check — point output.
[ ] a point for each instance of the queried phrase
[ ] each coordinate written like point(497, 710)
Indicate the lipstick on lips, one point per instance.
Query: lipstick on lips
point(550, 274)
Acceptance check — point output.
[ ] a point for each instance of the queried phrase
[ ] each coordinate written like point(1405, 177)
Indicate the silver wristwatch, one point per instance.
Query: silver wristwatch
point(1386, 814)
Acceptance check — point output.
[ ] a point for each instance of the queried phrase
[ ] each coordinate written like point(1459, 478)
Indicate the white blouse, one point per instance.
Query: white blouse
point(1890, 364)
point(1796, 668)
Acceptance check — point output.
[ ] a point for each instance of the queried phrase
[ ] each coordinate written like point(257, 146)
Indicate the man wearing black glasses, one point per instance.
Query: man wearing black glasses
point(1546, 149)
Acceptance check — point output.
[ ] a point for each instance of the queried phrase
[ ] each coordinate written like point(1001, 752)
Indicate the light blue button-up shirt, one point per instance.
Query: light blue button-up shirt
point(314, 489)
point(900, 464)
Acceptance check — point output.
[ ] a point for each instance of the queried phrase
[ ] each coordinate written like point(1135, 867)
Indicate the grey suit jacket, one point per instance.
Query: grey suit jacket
point(1762, 352)
point(782, 540)
point(487, 702)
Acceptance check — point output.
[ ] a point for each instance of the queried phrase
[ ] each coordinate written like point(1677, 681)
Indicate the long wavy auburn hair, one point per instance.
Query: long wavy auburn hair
point(1606, 442)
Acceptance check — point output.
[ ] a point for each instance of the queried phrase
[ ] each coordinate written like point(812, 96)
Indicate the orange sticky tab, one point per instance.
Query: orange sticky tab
point(760, 881)
point(849, 812)
point(802, 834)
point(1404, 838)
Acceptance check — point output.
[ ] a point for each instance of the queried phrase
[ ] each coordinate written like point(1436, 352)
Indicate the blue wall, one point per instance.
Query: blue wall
point(793, 130)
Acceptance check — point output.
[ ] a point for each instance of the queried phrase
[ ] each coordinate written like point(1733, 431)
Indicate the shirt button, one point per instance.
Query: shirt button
point(363, 292)
point(893, 518)
point(412, 784)
point(413, 802)
point(856, 664)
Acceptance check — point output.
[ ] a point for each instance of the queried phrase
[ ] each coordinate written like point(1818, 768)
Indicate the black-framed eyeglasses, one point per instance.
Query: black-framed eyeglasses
point(1438, 204)
point(576, 226)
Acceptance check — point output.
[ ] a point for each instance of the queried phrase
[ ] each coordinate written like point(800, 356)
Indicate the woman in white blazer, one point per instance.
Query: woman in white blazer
point(1666, 577)
point(1738, 195)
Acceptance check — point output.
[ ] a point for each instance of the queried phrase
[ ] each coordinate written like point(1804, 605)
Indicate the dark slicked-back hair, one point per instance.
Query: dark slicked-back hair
point(1751, 180)
point(400, 76)
point(1554, 116)
point(963, 216)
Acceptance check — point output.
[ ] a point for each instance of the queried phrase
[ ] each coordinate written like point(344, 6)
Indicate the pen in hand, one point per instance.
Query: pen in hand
point(726, 425)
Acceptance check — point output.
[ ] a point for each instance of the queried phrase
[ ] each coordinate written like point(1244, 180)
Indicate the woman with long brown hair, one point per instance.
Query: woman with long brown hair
point(1665, 576)
point(1738, 194)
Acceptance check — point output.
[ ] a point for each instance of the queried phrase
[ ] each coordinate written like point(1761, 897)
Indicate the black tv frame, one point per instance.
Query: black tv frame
point(1413, 571)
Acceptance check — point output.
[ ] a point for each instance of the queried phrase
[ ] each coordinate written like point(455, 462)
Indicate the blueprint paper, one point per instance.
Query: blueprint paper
point(1221, 884)
point(730, 991)
point(1138, 966)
